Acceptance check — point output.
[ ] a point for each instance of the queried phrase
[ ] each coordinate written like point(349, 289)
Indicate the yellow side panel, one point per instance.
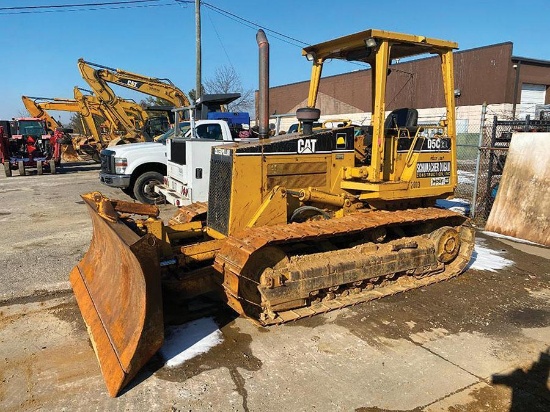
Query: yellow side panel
point(247, 191)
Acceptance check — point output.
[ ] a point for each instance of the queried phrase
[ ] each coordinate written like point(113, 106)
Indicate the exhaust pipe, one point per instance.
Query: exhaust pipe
point(263, 93)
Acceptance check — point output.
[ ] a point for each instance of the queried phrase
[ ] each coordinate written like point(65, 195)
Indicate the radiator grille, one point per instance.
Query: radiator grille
point(219, 195)
point(107, 158)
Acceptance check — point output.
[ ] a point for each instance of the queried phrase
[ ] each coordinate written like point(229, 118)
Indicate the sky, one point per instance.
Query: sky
point(40, 46)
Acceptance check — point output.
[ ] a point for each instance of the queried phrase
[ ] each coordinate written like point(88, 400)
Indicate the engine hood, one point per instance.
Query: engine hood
point(135, 148)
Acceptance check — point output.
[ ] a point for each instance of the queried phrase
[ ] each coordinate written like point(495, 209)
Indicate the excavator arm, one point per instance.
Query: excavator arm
point(35, 110)
point(161, 88)
point(87, 109)
point(130, 123)
point(138, 114)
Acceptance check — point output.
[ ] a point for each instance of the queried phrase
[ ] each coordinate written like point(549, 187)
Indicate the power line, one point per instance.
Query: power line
point(220, 40)
point(253, 25)
point(110, 5)
point(61, 6)
point(115, 5)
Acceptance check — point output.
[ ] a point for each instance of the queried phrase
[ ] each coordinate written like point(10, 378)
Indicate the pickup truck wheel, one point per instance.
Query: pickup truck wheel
point(144, 188)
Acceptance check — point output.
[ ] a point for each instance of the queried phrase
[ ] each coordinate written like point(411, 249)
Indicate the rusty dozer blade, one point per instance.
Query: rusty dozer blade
point(118, 289)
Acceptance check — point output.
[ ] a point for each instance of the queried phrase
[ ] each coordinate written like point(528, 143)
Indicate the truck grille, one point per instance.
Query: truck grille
point(219, 195)
point(107, 158)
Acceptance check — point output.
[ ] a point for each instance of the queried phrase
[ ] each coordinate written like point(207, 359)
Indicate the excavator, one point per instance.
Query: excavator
point(35, 110)
point(111, 130)
point(38, 107)
point(136, 115)
point(152, 86)
point(295, 225)
point(99, 77)
point(88, 107)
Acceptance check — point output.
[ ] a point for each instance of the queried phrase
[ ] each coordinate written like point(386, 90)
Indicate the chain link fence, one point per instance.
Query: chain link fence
point(468, 129)
point(495, 138)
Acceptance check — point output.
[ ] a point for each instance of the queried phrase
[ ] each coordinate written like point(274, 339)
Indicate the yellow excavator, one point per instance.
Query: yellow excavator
point(39, 106)
point(91, 110)
point(295, 225)
point(120, 132)
point(152, 86)
point(71, 151)
point(99, 77)
point(35, 110)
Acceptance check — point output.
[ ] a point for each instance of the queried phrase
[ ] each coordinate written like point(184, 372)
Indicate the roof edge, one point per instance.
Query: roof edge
point(529, 60)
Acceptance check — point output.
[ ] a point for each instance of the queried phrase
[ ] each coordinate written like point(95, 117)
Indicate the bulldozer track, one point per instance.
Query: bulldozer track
point(239, 249)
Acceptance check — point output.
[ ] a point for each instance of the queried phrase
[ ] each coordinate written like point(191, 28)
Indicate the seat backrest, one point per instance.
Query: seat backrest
point(404, 117)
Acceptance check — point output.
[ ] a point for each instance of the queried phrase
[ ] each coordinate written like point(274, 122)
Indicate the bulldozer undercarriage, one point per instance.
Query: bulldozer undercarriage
point(277, 274)
point(270, 274)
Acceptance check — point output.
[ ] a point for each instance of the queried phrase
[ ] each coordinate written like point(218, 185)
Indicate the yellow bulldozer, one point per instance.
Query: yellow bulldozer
point(295, 225)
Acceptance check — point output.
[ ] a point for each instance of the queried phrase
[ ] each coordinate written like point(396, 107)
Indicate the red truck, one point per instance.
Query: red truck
point(24, 143)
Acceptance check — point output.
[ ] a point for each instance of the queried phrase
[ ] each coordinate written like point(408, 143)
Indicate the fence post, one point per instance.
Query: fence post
point(478, 159)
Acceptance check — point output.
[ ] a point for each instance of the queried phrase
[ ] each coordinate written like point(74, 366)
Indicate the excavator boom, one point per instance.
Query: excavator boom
point(99, 77)
point(35, 110)
point(161, 88)
point(133, 123)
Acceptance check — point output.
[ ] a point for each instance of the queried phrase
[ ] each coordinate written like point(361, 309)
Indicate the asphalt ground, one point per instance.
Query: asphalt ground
point(479, 342)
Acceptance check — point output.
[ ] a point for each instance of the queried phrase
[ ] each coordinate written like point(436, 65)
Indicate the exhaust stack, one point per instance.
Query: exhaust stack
point(263, 93)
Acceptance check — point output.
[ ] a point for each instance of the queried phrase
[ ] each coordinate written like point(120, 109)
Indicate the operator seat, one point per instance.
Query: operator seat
point(404, 117)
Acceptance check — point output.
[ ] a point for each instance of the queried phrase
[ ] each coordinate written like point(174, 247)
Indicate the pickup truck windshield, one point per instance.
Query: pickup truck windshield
point(207, 131)
point(183, 129)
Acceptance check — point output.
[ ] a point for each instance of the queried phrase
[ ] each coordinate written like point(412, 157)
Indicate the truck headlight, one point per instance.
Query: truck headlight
point(120, 165)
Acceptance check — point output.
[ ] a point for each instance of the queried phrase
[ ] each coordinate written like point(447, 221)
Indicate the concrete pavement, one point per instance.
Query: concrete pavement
point(478, 342)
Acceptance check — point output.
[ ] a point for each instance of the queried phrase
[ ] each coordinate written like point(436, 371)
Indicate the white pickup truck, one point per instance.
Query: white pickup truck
point(188, 163)
point(135, 168)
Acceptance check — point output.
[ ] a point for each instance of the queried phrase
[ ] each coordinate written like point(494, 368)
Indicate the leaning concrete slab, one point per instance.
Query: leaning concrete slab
point(522, 204)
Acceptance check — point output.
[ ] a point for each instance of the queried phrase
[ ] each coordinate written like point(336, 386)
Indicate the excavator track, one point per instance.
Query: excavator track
point(268, 278)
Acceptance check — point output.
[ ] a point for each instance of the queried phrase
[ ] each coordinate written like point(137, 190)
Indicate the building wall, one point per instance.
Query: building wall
point(485, 74)
point(481, 74)
point(534, 74)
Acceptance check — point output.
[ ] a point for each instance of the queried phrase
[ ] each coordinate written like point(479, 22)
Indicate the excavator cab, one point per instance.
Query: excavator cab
point(296, 225)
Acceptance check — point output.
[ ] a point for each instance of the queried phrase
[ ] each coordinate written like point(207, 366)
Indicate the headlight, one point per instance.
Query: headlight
point(120, 165)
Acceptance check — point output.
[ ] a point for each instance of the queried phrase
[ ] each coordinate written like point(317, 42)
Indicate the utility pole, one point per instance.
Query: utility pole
point(198, 80)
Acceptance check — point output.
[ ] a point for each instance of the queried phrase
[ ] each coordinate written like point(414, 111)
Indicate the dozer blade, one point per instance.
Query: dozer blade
point(118, 289)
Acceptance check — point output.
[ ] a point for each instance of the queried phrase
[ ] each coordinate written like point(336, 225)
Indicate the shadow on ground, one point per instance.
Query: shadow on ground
point(529, 387)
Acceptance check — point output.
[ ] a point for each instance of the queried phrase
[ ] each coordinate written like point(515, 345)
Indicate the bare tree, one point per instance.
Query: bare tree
point(75, 123)
point(193, 94)
point(226, 80)
point(153, 101)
